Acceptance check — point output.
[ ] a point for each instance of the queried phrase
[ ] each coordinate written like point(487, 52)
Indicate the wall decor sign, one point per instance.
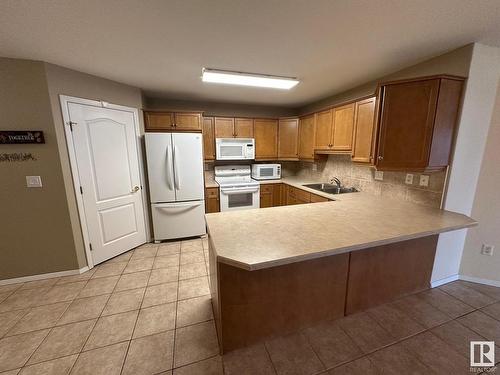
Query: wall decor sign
point(17, 156)
point(16, 137)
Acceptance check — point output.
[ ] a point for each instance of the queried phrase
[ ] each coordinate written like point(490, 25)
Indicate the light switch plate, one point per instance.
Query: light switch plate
point(424, 180)
point(33, 181)
point(379, 175)
point(409, 179)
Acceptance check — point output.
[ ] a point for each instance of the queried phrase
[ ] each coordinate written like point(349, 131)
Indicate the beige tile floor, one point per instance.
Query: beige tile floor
point(148, 312)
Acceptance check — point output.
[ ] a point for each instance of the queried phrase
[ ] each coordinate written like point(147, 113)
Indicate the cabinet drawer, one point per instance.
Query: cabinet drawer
point(266, 188)
point(212, 192)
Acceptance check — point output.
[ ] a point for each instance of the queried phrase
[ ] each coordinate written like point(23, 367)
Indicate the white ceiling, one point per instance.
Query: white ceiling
point(162, 45)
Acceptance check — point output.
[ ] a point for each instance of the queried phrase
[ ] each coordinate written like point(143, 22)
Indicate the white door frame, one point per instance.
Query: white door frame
point(65, 100)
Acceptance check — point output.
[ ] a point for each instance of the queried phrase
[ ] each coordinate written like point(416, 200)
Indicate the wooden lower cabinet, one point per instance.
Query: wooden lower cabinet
point(271, 195)
point(212, 200)
point(298, 196)
point(318, 199)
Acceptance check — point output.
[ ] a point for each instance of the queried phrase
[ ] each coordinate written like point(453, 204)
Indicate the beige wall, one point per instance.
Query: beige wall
point(62, 81)
point(486, 210)
point(35, 231)
point(455, 62)
point(40, 231)
point(220, 109)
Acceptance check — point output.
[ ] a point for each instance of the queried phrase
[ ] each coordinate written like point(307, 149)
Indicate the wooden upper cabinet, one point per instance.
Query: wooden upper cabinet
point(266, 138)
point(172, 121)
point(224, 127)
point(343, 126)
point(243, 128)
point(187, 121)
point(158, 121)
point(417, 123)
point(288, 139)
point(208, 138)
point(364, 123)
point(324, 130)
point(307, 133)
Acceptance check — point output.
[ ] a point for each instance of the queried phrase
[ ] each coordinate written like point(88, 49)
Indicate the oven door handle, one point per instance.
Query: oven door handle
point(239, 191)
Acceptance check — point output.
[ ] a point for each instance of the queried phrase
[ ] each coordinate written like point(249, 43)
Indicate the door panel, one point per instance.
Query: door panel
point(306, 137)
point(187, 121)
point(188, 166)
point(108, 169)
point(224, 127)
point(324, 126)
point(343, 126)
point(243, 128)
point(266, 139)
point(156, 121)
point(208, 138)
point(406, 125)
point(363, 131)
point(112, 175)
point(288, 145)
point(159, 153)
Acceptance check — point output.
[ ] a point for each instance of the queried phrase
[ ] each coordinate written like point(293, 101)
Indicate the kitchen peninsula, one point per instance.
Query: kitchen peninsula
point(278, 269)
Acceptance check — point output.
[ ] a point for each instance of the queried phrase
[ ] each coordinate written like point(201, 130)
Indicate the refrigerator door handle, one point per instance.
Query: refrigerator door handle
point(168, 163)
point(176, 170)
point(178, 205)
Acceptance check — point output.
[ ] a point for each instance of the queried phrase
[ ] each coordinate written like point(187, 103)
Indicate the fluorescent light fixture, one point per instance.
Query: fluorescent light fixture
point(248, 79)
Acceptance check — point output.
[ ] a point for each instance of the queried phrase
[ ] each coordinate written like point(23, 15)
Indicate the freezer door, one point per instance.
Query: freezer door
point(160, 155)
point(178, 220)
point(188, 166)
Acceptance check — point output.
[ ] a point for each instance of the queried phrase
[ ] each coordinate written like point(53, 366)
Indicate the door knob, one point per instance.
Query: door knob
point(135, 189)
point(380, 158)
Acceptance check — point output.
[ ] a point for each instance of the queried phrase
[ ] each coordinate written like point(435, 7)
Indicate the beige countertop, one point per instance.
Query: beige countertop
point(263, 238)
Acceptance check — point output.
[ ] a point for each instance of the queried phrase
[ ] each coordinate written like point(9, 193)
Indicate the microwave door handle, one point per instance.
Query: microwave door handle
point(176, 170)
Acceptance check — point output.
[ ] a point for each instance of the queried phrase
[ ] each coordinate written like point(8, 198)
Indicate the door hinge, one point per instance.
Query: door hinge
point(71, 123)
point(81, 190)
point(90, 245)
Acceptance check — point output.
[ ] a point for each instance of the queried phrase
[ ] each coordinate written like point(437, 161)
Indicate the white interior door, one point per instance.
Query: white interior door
point(105, 147)
point(188, 166)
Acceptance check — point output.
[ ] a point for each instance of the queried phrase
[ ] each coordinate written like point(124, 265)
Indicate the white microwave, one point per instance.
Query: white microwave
point(266, 171)
point(234, 148)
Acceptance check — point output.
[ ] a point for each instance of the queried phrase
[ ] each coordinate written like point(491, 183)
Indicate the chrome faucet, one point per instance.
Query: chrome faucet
point(337, 181)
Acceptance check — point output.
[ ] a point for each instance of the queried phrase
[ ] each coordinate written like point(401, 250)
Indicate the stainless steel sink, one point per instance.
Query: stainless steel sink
point(331, 189)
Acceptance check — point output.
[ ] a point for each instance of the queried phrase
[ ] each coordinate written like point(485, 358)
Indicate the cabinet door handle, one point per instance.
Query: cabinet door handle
point(380, 157)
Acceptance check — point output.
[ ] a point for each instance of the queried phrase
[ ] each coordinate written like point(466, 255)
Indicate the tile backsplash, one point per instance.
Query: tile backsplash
point(362, 178)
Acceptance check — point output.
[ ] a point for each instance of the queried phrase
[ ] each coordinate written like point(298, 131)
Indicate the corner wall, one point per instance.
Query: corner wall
point(486, 209)
point(474, 124)
point(35, 234)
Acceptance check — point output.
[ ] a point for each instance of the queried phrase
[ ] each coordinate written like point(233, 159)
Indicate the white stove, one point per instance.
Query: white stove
point(238, 191)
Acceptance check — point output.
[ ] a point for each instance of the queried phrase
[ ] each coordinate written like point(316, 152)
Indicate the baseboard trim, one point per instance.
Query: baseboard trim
point(479, 280)
point(43, 276)
point(446, 280)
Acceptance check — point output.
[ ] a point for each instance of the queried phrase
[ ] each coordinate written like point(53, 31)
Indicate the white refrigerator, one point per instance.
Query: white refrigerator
point(175, 171)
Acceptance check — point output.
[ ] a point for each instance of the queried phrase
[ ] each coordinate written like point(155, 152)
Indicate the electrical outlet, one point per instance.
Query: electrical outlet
point(379, 176)
point(409, 179)
point(487, 249)
point(424, 180)
point(33, 181)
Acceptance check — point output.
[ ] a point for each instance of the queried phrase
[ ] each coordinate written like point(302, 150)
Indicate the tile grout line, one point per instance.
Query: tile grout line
point(176, 310)
point(138, 313)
